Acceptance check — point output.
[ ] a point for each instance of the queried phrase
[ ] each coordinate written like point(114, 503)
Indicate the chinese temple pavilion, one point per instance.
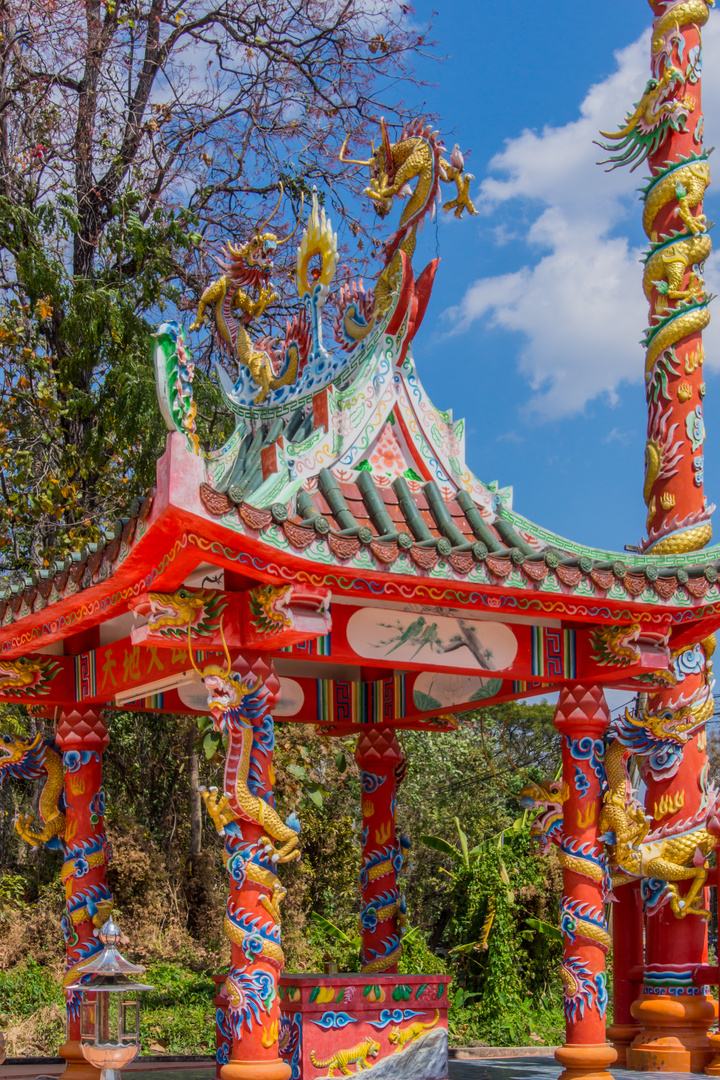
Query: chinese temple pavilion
point(337, 563)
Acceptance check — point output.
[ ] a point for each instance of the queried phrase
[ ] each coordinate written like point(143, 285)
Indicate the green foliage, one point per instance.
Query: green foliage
point(79, 427)
point(311, 790)
point(177, 1015)
point(28, 987)
point(418, 959)
point(503, 954)
point(12, 893)
point(335, 944)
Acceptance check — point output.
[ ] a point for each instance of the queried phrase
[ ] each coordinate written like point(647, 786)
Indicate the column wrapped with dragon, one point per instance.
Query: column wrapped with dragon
point(71, 809)
point(662, 844)
point(666, 841)
point(241, 698)
point(570, 816)
point(665, 131)
point(83, 736)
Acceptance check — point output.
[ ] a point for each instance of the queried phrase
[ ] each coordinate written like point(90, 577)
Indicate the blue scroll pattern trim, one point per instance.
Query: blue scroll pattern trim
point(334, 1021)
point(393, 1016)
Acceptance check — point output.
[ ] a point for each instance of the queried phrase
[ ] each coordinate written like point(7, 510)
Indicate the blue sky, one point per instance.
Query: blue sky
point(533, 330)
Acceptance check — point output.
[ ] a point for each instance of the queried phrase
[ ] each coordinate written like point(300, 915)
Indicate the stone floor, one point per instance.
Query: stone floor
point(534, 1068)
point(515, 1068)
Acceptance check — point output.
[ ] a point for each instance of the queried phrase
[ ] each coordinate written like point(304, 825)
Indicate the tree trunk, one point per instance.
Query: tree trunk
point(200, 871)
point(195, 799)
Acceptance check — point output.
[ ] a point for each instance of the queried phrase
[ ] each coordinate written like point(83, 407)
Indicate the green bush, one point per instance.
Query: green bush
point(177, 1015)
point(26, 988)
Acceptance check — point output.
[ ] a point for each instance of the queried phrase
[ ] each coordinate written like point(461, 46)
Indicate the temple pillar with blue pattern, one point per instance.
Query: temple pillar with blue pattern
point(382, 914)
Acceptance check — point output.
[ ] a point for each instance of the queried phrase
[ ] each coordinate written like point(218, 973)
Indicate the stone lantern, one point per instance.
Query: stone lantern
point(109, 1006)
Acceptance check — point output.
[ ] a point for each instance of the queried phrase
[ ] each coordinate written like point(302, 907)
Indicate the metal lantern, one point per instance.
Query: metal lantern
point(109, 1006)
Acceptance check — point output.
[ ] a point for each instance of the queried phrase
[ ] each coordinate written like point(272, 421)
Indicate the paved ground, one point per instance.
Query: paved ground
point(146, 1070)
point(534, 1068)
point(516, 1068)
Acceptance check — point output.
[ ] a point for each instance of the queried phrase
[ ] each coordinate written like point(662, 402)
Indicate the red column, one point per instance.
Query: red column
point(256, 840)
point(678, 517)
point(582, 718)
point(628, 957)
point(673, 1013)
point(382, 913)
point(713, 1068)
point(82, 736)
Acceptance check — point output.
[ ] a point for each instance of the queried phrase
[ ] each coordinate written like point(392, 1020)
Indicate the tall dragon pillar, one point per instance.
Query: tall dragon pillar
point(582, 719)
point(241, 699)
point(667, 733)
point(666, 730)
point(665, 130)
point(82, 736)
point(382, 916)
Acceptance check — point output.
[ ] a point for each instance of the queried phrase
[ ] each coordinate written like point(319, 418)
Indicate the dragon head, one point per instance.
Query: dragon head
point(13, 748)
point(677, 723)
point(547, 797)
point(381, 164)
point(225, 691)
point(658, 104)
point(179, 608)
point(658, 111)
point(252, 262)
point(21, 674)
point(277, 607)
point(22, 757)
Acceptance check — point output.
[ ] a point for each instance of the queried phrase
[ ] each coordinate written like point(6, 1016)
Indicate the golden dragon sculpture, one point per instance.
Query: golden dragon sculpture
point(242, 713)
point(636, 852)
point(416, 158)
point(29, 759)
point(246, 270)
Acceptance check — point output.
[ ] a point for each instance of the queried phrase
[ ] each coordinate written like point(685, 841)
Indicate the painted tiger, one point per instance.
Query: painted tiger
point(341, 1059)
point(404, 1036)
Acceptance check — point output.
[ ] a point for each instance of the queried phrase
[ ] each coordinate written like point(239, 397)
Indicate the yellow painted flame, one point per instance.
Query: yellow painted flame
point(669, 804)
point(270, 1034)
point(586, 817)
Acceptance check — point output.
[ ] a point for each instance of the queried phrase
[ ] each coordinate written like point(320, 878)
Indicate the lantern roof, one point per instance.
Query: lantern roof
point(108, 969)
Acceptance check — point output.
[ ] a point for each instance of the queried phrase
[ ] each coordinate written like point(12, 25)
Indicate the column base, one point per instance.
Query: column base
point(621, 1035)
point(713, 1069)
point(77, 1067)
point(674, 1035)
point(585, 1061)
point(256, 1070)
point(666, 1055)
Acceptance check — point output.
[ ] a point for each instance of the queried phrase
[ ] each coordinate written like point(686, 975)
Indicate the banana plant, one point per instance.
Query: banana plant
point(464, 857)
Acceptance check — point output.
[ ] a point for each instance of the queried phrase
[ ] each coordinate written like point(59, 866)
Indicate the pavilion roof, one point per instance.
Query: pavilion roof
point(347, 477)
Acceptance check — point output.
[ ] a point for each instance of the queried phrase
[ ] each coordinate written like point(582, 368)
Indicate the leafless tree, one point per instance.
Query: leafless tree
point(134, 135)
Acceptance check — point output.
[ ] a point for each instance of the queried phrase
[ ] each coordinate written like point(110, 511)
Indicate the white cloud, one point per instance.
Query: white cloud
point(578, 303)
